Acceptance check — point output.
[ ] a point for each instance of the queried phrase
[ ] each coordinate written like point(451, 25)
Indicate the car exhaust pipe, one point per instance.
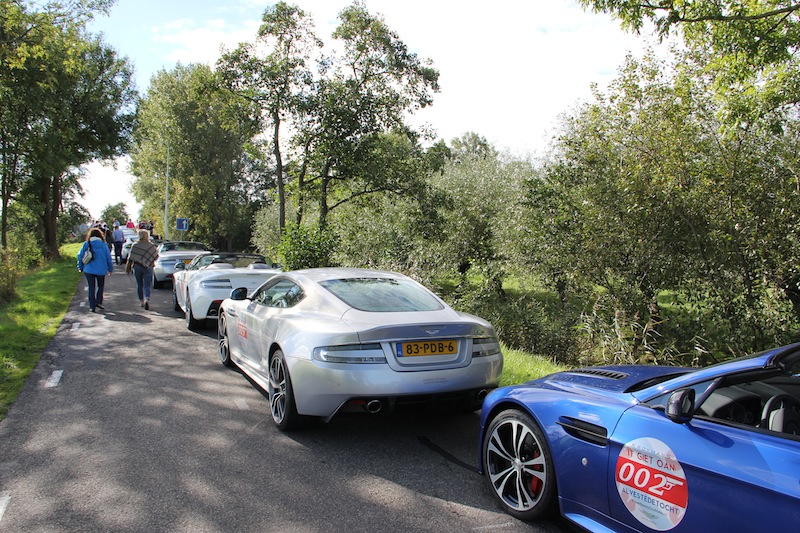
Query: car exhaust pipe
point(374, 406)
point(482, 394)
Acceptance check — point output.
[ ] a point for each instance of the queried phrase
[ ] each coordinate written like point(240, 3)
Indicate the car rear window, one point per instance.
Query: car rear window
point(381, 295)
point(182, 246)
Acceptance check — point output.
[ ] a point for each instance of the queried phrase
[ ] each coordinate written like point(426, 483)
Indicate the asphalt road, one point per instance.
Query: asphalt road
point(130, 423)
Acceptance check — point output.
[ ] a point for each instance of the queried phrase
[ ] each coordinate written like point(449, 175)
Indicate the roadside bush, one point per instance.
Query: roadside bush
point(266, 232)
point(306, 247)
point(27, 252)
point(522, 322)
point(9, 272)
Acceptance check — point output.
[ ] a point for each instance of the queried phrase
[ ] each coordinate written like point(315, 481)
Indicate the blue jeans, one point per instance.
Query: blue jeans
point(96, 286)
point(144, 281)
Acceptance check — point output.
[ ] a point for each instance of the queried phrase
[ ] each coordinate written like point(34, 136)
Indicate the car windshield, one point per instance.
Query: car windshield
point(382, 295)
point(238, 261)
point(180, 246)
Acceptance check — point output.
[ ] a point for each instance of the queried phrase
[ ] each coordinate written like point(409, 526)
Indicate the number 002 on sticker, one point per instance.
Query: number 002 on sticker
point(652, 484)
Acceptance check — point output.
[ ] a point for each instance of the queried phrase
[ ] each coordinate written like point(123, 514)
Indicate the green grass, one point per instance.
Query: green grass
point(28, 323)
point(519, 367)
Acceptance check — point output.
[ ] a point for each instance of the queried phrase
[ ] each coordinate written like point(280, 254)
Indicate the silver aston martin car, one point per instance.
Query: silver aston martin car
point(325, 341)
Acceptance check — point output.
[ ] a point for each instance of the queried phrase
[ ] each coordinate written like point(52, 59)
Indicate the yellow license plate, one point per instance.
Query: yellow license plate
point(424, 348)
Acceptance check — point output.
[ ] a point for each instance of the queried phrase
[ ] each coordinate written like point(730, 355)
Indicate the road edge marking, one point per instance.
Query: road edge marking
point(54, 379)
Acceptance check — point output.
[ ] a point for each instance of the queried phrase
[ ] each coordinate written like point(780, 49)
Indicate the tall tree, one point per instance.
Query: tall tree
point(370, 89)
point(277, 82)
point(64, 105)
point(205, 132)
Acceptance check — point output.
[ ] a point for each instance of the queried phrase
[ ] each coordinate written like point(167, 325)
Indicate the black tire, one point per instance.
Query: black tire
point(281, 394)
point(191, 322)
point(175, 305)
point(519, 467)
point(157, 284)
point(223, 342)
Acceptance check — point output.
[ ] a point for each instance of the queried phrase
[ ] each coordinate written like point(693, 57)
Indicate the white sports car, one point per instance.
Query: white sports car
point(199, 287)
point(170, 254)
point(323, 341)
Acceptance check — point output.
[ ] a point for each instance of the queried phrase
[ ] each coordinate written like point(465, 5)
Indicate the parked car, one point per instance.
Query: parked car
point(171, 253)
point(199, 287)
point(643, 448)
point(324, 341)
point(126, 245)
point(131, 236)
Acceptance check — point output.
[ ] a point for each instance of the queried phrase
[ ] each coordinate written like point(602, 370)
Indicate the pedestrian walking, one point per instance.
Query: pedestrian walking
point(119, 240)
point(141, 260)
point(109, 235)
point(94, 260)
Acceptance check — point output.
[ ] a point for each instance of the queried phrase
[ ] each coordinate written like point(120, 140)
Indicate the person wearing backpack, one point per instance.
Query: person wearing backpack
point(94, 260)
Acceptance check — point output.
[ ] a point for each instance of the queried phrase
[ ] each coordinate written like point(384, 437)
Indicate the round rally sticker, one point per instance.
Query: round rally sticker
point(651, 483)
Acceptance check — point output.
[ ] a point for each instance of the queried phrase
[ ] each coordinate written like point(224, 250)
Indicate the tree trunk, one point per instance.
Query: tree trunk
point(50, 198)
point(276, 151)
point(323, 197)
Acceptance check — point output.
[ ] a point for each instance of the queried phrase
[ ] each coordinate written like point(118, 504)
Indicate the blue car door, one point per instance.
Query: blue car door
point(703, 475)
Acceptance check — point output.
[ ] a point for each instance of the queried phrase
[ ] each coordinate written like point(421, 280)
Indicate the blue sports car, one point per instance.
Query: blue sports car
point(651, 448)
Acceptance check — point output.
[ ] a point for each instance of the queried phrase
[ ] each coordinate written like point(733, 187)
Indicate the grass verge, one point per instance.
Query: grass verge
point(28, 323)
point(519, 367)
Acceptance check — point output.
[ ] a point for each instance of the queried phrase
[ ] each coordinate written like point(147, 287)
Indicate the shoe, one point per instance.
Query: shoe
point(100, 307)
point(147, 305)
point(92, 309)
point(141, 303)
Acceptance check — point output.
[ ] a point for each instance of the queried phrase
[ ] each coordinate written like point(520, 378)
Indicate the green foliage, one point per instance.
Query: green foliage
point(71, 222)
point(114, 212)
point(266, 231)
point(752, 46)
point(65, 99)
point(24, 237)
point(9, 272)
point(27, 325)
point(306, 247)
point(528, 320)
point(198, 134)
point(649, 190)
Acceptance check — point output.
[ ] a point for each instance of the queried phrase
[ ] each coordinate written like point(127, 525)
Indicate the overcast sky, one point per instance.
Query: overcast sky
point(507, 68)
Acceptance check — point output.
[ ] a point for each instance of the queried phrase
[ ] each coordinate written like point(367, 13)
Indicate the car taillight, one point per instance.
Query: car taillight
point(351, 353)
point(216, 284)
point(485, 346)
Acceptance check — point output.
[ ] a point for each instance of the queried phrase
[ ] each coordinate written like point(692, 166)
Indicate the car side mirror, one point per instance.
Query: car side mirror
point(239, 294)
point(680, 406)
point(180, 265)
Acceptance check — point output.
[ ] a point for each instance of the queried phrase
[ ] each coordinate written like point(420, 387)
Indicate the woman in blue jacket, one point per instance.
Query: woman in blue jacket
point(97, 268)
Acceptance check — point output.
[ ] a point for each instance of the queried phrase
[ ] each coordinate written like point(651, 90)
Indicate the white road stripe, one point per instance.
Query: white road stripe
point(54, 379)
point(83, 304)
point(5, 499)
point(76, 325)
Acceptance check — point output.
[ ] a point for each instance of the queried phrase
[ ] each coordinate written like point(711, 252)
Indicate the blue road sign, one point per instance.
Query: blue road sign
point(181, 224)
